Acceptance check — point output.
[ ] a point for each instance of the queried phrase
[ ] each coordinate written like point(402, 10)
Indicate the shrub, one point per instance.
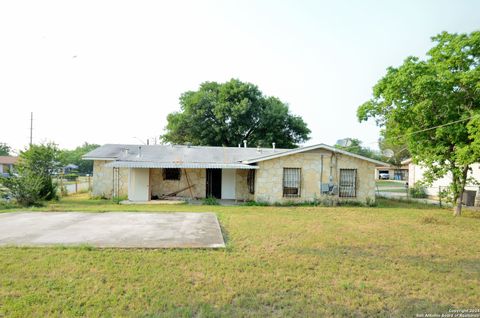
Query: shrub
point(98, 197)
point(370, 202)
point(5, 205)
point(25, 188)
point(48, 190)
point(350, 203)
point(119, 199)
point(4, 192)
point(418, 191)
point(210, 201)
point(325, 201)
point(256, 203)
point(37, 163)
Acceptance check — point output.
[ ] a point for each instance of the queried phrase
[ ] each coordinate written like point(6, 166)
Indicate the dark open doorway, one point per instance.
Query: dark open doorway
point(214, 183)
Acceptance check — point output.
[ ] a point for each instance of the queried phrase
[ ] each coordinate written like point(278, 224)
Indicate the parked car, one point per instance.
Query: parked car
point(383, 176)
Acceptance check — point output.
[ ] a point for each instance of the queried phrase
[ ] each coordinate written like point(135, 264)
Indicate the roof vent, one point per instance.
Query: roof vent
point(125, 151)
point(273, 146)
point(244, 144)
point(259, 149)
point(189, 144)
point(139, 152)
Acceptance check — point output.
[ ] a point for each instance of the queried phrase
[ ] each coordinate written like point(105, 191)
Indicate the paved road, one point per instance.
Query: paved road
point(111, 229)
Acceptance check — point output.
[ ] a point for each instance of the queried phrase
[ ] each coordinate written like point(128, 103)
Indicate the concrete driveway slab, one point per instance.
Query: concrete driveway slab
point(111, 229)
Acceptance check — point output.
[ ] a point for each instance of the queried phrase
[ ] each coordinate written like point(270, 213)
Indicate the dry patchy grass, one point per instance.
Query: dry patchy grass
point(393, 260)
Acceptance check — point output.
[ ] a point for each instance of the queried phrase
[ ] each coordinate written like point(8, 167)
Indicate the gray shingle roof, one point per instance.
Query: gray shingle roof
point(198, 156)
point(178, 153)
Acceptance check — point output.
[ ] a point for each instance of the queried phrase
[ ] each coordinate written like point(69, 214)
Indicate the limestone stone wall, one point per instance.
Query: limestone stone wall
point(269, 176)
point(103, 180)
point(241, 186)
point(123, 182)
point(160, 187)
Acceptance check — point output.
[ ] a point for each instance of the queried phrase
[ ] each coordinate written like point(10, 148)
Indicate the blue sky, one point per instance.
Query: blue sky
point(109, 71)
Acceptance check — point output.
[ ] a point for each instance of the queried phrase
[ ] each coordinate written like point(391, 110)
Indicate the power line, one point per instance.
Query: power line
point(427, 129)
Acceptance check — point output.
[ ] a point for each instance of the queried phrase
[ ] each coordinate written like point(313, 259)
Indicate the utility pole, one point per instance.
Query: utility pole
point(31, 128)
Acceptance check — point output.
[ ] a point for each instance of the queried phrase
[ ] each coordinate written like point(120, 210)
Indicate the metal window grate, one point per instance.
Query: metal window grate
point(116, 183)
point(291, 182)
point(348, 183)
point(251, 181)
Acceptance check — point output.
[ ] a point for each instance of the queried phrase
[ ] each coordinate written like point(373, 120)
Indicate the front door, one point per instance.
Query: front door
point(228, 184)
point(139, 184)
point(214, 183)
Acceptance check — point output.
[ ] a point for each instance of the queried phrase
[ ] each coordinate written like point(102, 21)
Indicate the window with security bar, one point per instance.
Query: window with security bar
point(348, 183)
point(251, 181)
point(291, 182)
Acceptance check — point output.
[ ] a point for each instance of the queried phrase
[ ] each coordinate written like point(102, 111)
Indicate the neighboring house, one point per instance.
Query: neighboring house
point(262, 174)
point(7, 163)
point(392, 173)
point(415, 174)
point(70, 168)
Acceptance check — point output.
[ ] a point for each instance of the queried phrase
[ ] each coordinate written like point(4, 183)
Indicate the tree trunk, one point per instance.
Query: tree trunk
point(463, 181)
point(458, 208)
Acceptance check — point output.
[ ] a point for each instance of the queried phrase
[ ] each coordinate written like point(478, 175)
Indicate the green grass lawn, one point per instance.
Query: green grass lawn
point(390, 183)
point(397, 259)
point(393, 190)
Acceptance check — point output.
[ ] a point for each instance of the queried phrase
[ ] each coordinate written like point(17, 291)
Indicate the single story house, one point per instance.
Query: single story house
point(70, 168)
point(7, 163)
point(150, 172)
point(394, 173)
point(471, 196)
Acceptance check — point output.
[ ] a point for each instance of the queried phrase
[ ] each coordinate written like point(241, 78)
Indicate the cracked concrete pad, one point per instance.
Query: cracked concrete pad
point(111, 229)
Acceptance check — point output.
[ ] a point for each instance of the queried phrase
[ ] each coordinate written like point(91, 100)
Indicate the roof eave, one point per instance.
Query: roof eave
point(183, 165)
point(99, 158)
point(313, 147)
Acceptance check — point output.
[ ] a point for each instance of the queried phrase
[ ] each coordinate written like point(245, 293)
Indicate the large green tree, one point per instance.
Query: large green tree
point(75, 156)
point(32, 182)
point(41, 161)
point(225, 114)
point(4, 149)
point(433, 106)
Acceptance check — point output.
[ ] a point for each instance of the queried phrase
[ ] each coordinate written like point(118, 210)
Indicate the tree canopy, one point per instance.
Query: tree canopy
point(75, 156)
point(225, 114)
point(4, 149)
point(35, 167)
point(433, 106)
